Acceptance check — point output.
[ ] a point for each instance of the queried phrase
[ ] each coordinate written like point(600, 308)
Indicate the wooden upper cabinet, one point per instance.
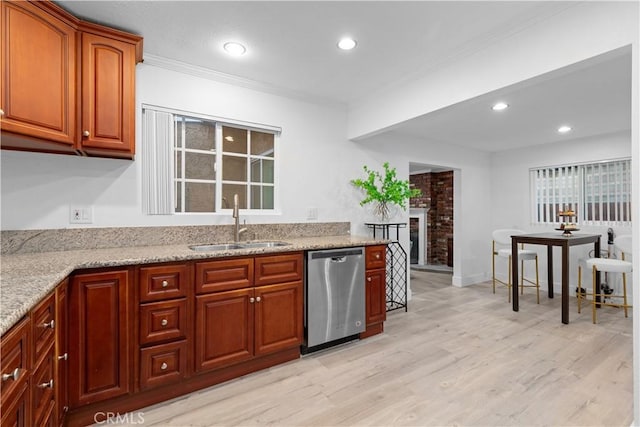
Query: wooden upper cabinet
point(68, 86)
point(108, 94)
point(38, 63)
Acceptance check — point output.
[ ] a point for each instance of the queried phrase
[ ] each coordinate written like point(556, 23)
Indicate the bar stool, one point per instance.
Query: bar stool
point(609, 265)
point(503, 237)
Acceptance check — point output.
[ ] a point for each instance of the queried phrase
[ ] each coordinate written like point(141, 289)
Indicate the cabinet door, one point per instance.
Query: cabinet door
point(100, 333)
point(376, 298)
point(14, 388)
point(108, 95)
point(224, 329)
point(278, 312)
point(38, 85)
point(61, 353)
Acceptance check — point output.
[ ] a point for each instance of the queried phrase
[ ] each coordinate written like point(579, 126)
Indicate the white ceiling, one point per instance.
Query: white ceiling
point(292, 49)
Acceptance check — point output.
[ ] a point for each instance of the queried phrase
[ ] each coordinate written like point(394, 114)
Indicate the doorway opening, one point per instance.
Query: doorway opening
point(431, 218)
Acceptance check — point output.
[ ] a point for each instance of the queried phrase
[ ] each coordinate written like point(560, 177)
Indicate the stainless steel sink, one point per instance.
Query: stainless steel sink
point(215, 247)
point(249, 245)
point(239, 245)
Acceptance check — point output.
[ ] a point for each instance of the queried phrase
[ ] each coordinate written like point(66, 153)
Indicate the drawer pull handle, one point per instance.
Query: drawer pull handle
point(165, 283)
point(164, 322)
point(51, 324)
point(85, 133)
point(257, 299)
point(46, 385)
point(12, 376)
point(164, 366)
point(252, 300)
point(64, 356)
point(377, 256)
point(368, 279)
point(1, 112)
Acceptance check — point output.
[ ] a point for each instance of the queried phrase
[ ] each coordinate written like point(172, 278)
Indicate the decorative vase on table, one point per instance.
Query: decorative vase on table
point(383, 211)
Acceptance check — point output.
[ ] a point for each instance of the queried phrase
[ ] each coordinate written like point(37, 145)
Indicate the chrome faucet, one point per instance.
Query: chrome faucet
point(236, 216)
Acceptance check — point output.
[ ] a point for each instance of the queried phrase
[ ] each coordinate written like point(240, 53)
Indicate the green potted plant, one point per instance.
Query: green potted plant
point(385, 190)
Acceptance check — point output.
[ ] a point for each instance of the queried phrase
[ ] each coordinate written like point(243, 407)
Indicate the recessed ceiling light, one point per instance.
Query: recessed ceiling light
point(499, 106)
point(234, 49)
point(564, 129)
point(347, 43)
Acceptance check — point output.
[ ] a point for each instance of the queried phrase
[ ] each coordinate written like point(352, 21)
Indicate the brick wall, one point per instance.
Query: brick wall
point(437, 194)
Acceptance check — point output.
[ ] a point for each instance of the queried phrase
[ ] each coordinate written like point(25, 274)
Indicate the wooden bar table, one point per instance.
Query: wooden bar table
point(550, 240)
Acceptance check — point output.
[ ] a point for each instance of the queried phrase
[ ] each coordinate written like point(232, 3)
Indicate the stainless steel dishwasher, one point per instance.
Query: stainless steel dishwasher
point(334, 297)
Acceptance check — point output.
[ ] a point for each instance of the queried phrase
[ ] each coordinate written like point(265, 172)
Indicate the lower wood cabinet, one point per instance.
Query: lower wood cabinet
point(376, 289)
point(115, 340)
point(15, 394)
point(100, 336)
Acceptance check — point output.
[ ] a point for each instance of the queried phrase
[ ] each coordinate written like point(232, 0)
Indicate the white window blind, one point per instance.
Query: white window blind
point(599, 193)
point(157, 169)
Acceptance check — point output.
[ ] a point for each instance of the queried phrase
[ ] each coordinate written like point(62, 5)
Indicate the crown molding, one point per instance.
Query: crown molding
point(209, 74)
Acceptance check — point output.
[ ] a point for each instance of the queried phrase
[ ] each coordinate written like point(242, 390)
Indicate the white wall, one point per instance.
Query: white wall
point(510, 195)
point(315, 159)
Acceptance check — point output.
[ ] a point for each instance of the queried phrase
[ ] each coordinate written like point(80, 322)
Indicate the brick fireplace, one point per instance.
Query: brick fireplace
point(437, 201)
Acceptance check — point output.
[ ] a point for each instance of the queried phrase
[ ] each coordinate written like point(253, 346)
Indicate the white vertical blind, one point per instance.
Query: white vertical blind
point(600, 193)
point(157, 169)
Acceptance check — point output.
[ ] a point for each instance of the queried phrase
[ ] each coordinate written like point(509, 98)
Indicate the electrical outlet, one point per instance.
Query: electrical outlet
point(312, 214)
point(80, 215)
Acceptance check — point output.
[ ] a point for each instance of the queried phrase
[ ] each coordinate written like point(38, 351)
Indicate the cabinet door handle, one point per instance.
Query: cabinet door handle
point(12, 376)
point(164, 322)
point(46, 385)
point(164, 366)
point(377, 256)
point(64, 356)
point(86, 133)
point(252, 300)
point(51, 324)
point(1, 112)
point(165, 283)
point(257, 299)
point(368, 279)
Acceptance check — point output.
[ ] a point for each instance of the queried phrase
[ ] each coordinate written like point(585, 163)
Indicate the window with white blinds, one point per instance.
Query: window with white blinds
point(599, 193)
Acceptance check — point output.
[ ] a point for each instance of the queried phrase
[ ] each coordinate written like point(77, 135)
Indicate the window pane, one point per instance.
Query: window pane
point(267, 197)
point(267, 171)
point(234, 168)
point(256, 197)
point(199, 197)
point(256, 170)
point(234, 140)
point(179, 126)
point(199, 166)
point(261, 144)
point(228, 190)
point(200, 135)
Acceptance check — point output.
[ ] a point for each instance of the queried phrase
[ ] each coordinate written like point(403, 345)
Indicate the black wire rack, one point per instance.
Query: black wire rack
point(396, 280)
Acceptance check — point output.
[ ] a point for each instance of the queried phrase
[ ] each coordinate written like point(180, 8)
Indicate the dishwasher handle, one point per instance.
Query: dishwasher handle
point(338, 259)
point(336, 254)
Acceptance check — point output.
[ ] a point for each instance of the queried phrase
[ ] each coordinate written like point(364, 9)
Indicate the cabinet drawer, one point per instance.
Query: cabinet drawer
point(42, 388)
point(226, 275)
point(162, 364)
point(43, 324)
point(278, 269)
point(14, 354)
point(163, 282)
point(162, 321)
point(375, 257)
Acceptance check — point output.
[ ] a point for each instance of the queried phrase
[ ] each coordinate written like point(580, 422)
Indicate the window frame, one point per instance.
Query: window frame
point(220, 122)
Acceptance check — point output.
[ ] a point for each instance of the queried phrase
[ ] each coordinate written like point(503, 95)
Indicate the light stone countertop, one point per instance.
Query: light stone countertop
point(25, 279)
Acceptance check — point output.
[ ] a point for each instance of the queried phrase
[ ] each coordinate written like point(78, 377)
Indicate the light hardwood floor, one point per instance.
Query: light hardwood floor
point(458, 357)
